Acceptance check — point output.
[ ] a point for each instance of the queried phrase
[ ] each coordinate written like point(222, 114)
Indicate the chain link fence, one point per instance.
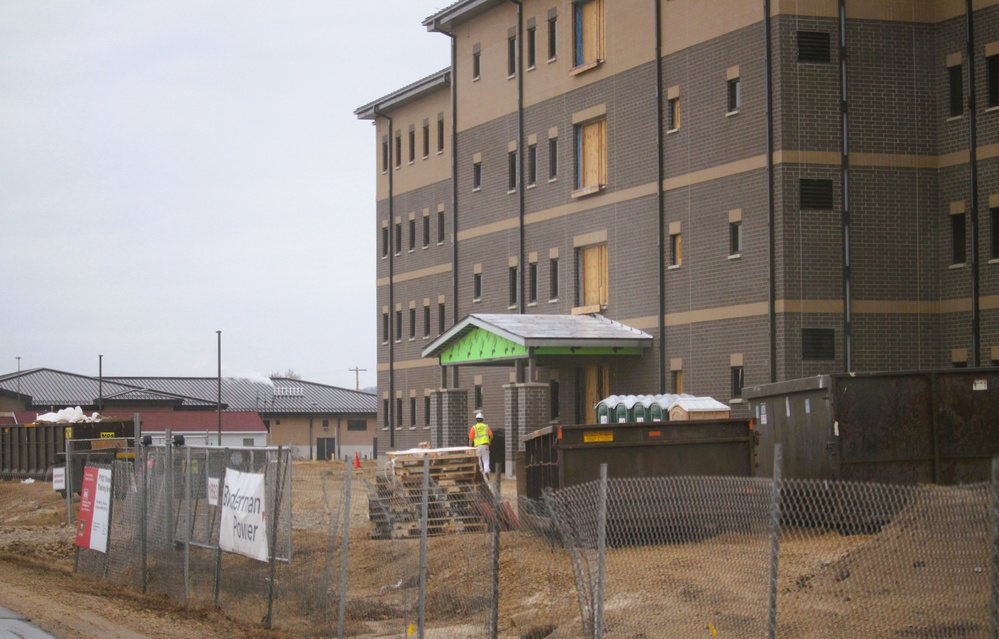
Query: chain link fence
point(369, 553)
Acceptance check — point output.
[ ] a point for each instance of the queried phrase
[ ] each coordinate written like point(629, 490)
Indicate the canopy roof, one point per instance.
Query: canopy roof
point(503, 338)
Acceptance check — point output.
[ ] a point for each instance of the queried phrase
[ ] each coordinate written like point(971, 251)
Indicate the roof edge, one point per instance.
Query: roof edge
point(447, 18)
point(409, 93)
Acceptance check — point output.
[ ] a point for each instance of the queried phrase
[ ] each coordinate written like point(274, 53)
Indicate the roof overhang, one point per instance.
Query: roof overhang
point(405, 95)
point(448, 18)
point(489, 339)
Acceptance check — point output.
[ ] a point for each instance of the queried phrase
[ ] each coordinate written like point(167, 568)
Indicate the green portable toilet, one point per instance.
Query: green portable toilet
point(621, 413)
point(605, 409)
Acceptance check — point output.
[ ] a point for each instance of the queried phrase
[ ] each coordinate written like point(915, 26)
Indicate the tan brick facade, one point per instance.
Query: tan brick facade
point(907, 161)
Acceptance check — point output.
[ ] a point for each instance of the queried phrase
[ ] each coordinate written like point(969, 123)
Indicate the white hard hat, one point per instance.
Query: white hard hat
point(478, 415)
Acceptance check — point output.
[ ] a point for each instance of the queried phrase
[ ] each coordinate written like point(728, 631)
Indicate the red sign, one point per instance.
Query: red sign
point(85, 517)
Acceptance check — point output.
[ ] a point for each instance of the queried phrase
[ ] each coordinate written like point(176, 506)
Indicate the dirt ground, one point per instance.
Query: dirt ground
point(923, 575)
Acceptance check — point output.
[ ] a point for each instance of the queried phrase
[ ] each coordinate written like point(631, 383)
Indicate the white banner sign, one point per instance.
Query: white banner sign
point(59, 478)
point(243, 528)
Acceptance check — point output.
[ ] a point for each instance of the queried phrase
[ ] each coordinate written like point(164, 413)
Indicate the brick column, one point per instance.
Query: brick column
point(449, 417)
point(526, 411)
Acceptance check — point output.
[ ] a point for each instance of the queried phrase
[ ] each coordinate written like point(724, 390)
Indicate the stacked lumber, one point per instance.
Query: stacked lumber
point(459, 500)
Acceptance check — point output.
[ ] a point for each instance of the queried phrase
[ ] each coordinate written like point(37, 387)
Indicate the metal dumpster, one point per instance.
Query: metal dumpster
point(938, 426)
point(559, 456)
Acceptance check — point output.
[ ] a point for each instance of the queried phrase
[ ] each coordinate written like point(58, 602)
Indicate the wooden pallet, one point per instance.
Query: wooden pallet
point(457, 492)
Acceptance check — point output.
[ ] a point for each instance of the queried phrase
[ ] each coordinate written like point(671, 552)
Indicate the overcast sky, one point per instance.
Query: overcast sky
point(172, 169)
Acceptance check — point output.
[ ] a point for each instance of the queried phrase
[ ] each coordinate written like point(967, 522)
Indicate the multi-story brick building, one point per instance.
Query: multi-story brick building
point(753, 190)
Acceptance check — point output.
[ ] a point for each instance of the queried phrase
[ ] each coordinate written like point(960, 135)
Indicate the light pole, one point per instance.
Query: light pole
point(312, 454)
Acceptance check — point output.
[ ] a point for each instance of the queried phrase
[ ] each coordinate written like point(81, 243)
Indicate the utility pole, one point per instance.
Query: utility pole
point(357, 377)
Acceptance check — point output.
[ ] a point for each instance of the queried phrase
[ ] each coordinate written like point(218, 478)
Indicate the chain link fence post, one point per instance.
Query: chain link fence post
point(187, 524)
point(69, 482)
point(269, 623)
point(344, 545)
point(494, 608)
point(995, 548)
point(774, 540)
point(144, 518)
point(424, 524)
point(598, 605)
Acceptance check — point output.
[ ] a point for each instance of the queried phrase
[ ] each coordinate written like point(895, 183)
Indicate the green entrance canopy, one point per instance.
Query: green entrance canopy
point(503, 338)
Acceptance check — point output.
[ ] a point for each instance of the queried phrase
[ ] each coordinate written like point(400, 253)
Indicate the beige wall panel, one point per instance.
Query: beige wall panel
point(690, 22)
point(493, 94)
point(629, 41)
point(437, 166)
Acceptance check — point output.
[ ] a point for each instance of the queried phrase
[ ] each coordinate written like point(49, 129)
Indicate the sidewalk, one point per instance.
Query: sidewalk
point(13, 625)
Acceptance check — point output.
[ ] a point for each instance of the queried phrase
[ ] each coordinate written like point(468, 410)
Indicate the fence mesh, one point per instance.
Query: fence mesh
point(679, 556)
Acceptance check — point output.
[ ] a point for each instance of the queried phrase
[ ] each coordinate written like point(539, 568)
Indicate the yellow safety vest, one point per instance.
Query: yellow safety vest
point(481, 434)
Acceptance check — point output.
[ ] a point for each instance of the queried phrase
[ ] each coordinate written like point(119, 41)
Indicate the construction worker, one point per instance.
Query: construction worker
point(480, 436)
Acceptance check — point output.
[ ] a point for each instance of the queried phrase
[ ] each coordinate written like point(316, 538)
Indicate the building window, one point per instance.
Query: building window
point(398, 412)
point(552, 38)
point(385, 241)
point(511, 57)
point(412, 323)
point(426, 231)
point(412, 412)
point(511, 166)
point(398, 326)
point(532, 164)
point(532, 286)
point(553, 400)
point(592, 265)
point(553, 278)
point(359, 425)
point(426, 411)
point(426, 139)
point(588, 29)
point(994, 214)
point(958, 238)
point(385, 328)
point(514, 276)
point(552, 158)
point(398, 238)
point(478, 396)
point(591, 155)
point(412, 234)
point(426, 320)
point(818, 344)
point(440, 227)
point(992, 64)
point(477, 286)
point(677, 380)
point(532, 47)
point(385, 415)
point(477, 175)
point(385, 154)
point(735, 238)
point(675, 249)
point(441, 318)
point(816, 194)
point(412, 146)
point(813, 46)
point(440, 134)
point(737, 381)
point(734, 95)
point(956, 83)
point(476, 65)
point(398, 150)
point(673, 114)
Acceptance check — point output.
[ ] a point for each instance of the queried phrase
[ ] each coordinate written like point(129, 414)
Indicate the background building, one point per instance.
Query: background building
point(763, 195)
point(275, 412)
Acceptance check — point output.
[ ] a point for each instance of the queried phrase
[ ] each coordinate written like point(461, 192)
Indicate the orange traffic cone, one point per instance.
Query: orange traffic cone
point(357, 460)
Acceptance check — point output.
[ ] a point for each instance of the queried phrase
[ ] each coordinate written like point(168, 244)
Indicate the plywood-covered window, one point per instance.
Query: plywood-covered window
point(588, 26)
point(591, 155)
point(592, 275)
